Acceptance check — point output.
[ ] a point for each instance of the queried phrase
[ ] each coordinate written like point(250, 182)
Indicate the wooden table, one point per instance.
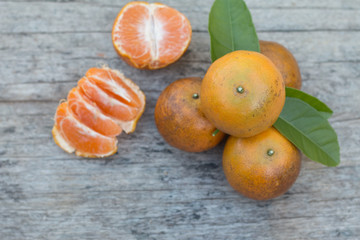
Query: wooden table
point(149, 190)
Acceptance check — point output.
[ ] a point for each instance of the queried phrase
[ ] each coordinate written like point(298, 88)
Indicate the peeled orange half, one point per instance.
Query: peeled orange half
point(150, 36)
point(102, 105)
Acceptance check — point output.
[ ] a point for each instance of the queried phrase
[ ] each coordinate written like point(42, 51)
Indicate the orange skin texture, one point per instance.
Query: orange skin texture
point(179, 119)
point(147, 62)
point(256, 108)
point(284, 61)
point(253, 173)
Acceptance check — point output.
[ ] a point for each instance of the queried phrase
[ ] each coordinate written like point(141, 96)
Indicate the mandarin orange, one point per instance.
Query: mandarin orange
point(263, 166)
point(102, 105)
point(284, 61)
point(242, 93)
point(179, 119)
point(150, 36)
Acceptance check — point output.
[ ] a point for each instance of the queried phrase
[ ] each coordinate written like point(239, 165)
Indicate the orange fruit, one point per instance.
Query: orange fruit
point(284, 61)
point(242, 93)
point(179, 119)
point(102, 105)
point(88, 114)
point(71, 135)
point(150, 36)
point(115, 95)
point(263, 166)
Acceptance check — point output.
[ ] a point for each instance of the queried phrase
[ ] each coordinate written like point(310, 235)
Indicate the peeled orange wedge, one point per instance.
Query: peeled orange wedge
point(71, 135)
point(150, 36)
point(102, 105)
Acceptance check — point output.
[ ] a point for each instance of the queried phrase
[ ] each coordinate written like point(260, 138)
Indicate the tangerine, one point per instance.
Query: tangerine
point(242, 93)
point(179, 119)
point(90, 115)
point(103, 104)
point(150, 36)
point(284, 61)
point(72, 135)
point(263, 166)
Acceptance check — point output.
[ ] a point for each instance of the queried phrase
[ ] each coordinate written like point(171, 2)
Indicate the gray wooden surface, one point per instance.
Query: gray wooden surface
point(150, 190)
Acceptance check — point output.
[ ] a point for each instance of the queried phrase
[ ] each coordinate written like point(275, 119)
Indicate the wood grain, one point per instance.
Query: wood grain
point(149, 190)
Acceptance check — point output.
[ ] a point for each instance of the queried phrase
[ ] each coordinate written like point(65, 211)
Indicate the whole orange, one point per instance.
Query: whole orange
point(179, 119)
point(284, 61)
point(263, 166)
point(242, 93)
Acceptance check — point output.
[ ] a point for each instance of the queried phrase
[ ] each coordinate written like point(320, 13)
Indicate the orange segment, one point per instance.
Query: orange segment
point(178, 32)
point(90, 115)
point(69, 132)
point(110, 106)
point(150, 36)
point(103, 104)
point(130, 33)
point(114, 85)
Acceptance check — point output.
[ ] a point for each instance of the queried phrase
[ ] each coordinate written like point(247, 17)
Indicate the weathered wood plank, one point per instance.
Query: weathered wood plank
point(80, 189)
point(65, 57)
point(27, 126)
point(98, 47)
point(58, 17)
point(49, 77)
point(322, 4)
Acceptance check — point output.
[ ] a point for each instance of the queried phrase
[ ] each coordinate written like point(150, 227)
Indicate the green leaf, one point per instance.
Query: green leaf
point(231, 28)
point(309, 131)
point(323, 109)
